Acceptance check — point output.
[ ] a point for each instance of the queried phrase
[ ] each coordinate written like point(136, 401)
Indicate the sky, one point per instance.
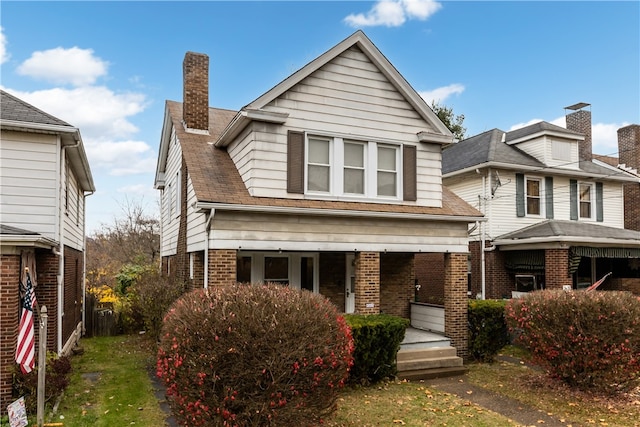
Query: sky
point(107, 68)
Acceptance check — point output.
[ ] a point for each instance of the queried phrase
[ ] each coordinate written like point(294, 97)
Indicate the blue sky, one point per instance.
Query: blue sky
point(108, 67)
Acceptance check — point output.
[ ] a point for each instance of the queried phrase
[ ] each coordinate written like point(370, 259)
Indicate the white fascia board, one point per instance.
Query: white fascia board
point(243, 118)
point(28, 241)
point(296, 246)
point(163, 151)
point(42, 127)
point(204, 206)
point(564, 241)
point(435, 138)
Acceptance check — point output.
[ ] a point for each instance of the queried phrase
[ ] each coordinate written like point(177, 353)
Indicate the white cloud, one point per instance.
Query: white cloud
point(121, 157)
point(75, 66)
point(4, 55)
point(139, 190)
point(394, 13)
point(97, 111)
point(438, 95)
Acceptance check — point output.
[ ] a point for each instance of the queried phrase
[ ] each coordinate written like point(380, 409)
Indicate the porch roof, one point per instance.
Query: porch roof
point(558, 233)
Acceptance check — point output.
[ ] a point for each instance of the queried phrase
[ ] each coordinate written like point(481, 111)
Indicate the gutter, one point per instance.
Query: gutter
point(202, 206)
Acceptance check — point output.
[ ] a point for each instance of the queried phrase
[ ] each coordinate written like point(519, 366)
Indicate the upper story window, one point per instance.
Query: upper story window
point(533, 196)
point(585, 202)
point(341, 167)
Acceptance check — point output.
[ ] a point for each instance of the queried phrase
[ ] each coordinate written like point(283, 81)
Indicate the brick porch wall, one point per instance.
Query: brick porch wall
point(368, 283)
point(332, 274)
point(223, 265)
point(456, 301)
point(397, 277)
point(556, 265)
point(429, 271)
point(9, 321)
point(47, 294)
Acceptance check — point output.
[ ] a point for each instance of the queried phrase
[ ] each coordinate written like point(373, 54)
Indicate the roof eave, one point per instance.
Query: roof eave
point(563, 242)
point(28, 240)
point(546, 132)
point(242, 120)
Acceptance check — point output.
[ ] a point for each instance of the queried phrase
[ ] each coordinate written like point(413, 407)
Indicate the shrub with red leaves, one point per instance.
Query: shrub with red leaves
point(590, 340)
point(248, 355)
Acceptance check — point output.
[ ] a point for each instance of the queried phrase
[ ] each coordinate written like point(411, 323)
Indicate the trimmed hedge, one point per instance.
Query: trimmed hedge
point(488, 331)
point(253, 355)
point(377, 340)
point(590, 340)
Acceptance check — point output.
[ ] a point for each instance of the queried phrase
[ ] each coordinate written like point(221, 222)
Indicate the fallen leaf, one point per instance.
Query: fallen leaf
point(399, 422)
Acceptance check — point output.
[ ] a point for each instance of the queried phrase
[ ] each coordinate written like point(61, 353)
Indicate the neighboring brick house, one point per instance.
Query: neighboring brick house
point(44, 179)
point(555, 213)
point(330, 182)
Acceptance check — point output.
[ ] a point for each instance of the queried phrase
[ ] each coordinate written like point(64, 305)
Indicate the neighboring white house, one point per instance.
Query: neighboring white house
point(330, 182)
point(555, 214)
point(44, 180)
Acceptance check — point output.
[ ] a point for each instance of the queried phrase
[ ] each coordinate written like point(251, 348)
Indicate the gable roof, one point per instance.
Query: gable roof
point(217, 182)
point(360, 40)
point(496, 148)
point(571, 232)
point(15, 114)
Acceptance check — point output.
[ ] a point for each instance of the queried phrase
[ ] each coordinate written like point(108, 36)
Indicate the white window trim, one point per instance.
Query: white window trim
point(336, 164)
point(257, 267)
point(540, 196)
point(592, 201)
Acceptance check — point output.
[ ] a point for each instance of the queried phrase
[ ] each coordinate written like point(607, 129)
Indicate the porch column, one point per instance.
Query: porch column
point(367, 282)
point(456, 301)
point(556, 269)
point(223, 266)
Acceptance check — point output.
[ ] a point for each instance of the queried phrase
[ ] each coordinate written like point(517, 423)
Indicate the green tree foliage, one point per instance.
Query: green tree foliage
point(452, 122)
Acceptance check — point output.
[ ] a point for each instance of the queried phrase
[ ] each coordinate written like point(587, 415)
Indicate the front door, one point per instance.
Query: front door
point(350, 285)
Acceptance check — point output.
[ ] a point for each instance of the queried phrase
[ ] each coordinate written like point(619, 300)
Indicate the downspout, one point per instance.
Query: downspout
point(60, 277)
point(206, 247)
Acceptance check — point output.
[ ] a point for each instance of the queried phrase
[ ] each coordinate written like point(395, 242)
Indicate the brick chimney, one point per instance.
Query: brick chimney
point(629, 155)
point(580, 121)
point(195, 109)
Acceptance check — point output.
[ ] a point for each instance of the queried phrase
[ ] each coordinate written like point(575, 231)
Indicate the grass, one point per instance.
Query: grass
point(122, 395)
point(110, 385)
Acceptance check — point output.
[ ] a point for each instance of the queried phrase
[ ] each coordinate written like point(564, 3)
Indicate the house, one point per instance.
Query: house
point(44, 181)
point(556, 213)
point(329, 182)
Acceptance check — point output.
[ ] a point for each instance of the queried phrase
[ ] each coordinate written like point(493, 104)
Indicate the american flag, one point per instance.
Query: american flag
point(25, 352)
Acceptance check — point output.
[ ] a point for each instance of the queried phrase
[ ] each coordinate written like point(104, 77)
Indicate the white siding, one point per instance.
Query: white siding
point(73, 212)
point(196, 235)
point(311, 233)
point(535, 147)
point(28, 182)
point(170, 222)
point(348, 97)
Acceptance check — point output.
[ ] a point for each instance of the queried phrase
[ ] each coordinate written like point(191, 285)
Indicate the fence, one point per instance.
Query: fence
point(101, 319)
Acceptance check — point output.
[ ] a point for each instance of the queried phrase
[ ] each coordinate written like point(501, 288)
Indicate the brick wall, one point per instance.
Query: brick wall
point(47, 293)
point(195, 70)
point(629, 155)
point(629, 284)
point(367, 282)
point(222, 267)
point(9, 321)
point(499, 282)
point(397, 278)
point(580, 121)
point(198, 270)
point(429, 272)
point(456, 301)
point(332, 276)
point(556, 264)
point(182, 257)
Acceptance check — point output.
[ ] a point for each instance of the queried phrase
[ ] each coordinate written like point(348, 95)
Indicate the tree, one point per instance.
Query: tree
point(451, 121)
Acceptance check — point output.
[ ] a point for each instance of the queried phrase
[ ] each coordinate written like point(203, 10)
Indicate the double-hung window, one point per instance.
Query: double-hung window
point(533, 196)
point(354, 168)
point(319, 165)
point(387, 176)
point(585, 202)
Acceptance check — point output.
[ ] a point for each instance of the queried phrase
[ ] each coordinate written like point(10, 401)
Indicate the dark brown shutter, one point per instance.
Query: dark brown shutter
point(409, 170)
point(520, 211)
point(295, 162)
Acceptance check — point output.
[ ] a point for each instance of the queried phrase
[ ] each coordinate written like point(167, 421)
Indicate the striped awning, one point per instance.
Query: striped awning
point(524, 260)
point(591, 252)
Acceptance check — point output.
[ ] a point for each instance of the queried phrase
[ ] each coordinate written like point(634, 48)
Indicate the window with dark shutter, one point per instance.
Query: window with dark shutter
point(295, 162)
point(573, 199)
point(409, 190)
point(548, 196)
point(520, 212)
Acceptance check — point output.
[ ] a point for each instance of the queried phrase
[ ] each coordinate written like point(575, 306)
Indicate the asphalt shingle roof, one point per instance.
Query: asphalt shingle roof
point(216, 179)
point(12, 108)
point(560, 228)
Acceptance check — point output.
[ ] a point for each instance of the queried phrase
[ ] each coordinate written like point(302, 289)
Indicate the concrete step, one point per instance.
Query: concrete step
point(425, 353)
point(427, 374)
point(425, 344)
point(422, 364)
